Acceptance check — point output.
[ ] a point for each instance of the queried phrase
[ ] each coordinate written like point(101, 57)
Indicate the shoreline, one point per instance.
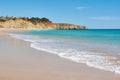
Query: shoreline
point(43, 64)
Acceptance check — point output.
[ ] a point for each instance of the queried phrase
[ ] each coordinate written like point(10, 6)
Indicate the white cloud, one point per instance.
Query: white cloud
point(105, 18)
point(81, 8)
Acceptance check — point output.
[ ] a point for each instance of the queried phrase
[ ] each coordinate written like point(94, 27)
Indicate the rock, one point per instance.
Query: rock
point(24, 24)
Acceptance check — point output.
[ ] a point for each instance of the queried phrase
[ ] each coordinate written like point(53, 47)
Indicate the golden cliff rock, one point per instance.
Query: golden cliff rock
point(24, 24)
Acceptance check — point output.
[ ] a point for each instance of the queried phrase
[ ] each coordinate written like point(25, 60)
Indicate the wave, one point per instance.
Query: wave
point(93, 59)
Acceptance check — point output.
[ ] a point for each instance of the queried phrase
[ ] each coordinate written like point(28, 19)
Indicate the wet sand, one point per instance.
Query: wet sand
point(18, 61)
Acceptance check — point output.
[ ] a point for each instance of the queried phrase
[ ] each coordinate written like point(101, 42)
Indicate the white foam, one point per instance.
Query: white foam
point(29, 38)
point(117, 70)
point(89, 58)
point(92, 59)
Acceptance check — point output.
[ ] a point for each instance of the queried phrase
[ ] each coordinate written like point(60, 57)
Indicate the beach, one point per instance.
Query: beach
point(18, 61)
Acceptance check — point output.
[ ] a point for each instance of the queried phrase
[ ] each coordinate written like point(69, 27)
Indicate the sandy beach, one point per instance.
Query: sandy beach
point(18, 61)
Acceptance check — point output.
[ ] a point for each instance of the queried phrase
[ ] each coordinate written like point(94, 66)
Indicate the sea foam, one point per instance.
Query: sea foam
point(93, 59)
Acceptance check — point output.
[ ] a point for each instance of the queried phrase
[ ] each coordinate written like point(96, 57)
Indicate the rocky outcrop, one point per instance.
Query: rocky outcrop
point(68, 26)
point(19, 23)
point(24, 24)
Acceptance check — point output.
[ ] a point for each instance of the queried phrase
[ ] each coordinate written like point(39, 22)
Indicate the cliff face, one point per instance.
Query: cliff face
point(68, 26)
point(23, 24)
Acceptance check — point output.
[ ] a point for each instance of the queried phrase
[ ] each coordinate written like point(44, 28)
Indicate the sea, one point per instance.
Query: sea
point(97, 48)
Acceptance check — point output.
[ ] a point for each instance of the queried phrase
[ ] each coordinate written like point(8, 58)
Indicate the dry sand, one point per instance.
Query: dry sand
point(18, 61)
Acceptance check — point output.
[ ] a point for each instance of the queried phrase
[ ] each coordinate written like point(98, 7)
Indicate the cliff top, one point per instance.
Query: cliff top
point(34, 23)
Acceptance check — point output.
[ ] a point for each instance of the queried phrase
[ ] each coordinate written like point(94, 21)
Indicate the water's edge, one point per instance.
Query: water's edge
point(89, 58)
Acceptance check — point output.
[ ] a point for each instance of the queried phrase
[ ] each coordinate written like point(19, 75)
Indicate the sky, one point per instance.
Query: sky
point(95, 14)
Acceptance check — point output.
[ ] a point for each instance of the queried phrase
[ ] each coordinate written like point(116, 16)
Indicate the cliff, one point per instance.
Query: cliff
point(25, 24)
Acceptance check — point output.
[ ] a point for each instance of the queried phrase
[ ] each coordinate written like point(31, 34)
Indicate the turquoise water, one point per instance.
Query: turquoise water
point(95, 48)
point(100, 36)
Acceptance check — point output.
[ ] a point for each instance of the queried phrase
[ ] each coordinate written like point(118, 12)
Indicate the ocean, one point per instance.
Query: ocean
point(98, 48)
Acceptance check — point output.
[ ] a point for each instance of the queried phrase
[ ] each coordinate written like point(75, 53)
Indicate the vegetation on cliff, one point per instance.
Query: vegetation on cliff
point(34, 20)
point(34, 23)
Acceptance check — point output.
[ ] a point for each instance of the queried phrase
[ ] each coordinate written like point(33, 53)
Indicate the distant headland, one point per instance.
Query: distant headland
point(35, 23)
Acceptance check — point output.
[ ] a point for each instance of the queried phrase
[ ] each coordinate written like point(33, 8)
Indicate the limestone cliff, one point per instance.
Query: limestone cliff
point(24, 24)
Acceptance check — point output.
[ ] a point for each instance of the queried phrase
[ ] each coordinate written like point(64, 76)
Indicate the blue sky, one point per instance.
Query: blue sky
point(96, 14)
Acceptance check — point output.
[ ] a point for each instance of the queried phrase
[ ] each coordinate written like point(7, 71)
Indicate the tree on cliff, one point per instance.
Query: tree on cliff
point(34, 20)
point(2, 19)
point(44, 20)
